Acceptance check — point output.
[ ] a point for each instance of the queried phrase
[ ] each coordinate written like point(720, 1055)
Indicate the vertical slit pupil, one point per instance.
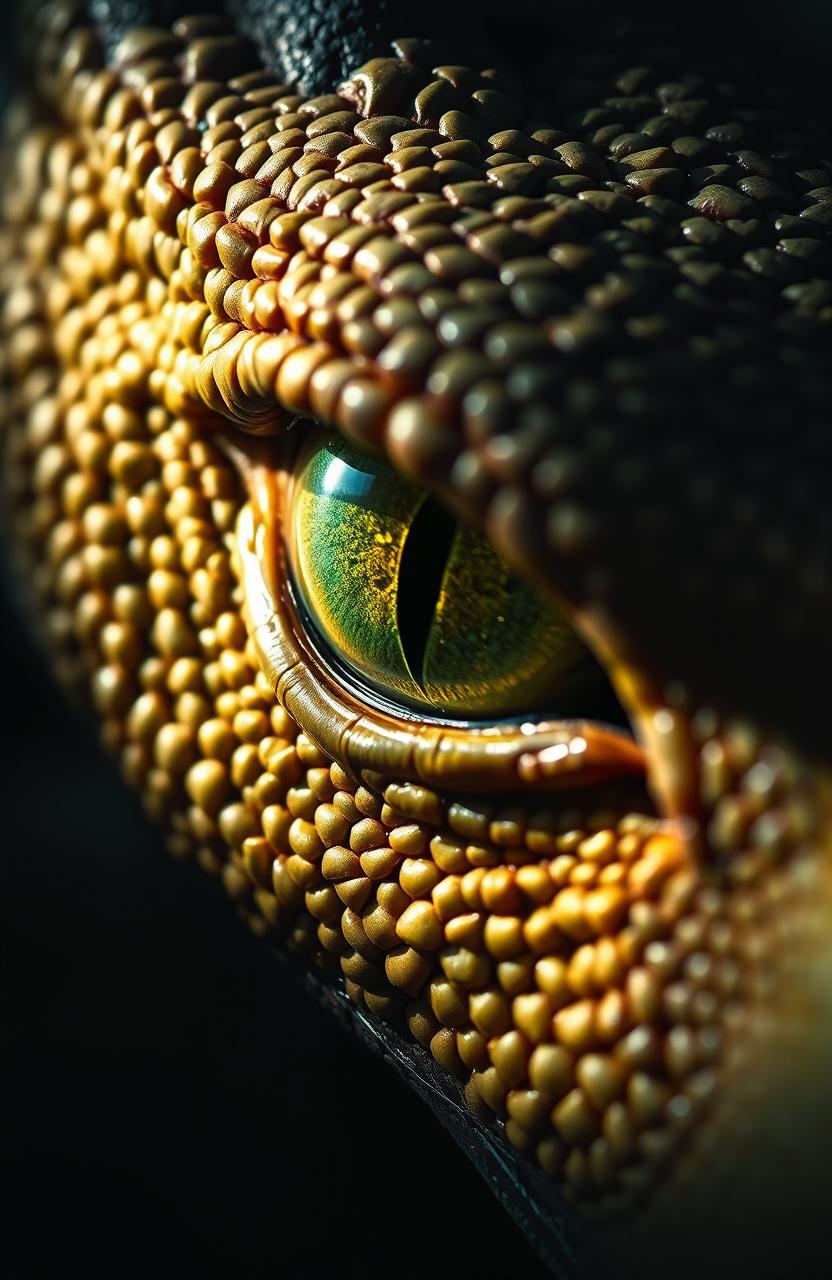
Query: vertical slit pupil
point(421, 570)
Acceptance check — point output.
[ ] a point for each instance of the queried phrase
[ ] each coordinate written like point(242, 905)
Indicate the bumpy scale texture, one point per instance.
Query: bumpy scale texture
point(515, 313)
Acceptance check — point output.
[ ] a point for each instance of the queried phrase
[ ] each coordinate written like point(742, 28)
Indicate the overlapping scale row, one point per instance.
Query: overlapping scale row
point(592, 335)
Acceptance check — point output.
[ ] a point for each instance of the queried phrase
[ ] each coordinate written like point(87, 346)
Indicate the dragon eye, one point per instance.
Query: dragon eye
point(414, 604)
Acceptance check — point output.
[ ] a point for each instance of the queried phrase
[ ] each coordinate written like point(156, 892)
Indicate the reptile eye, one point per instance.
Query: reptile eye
point(414, 604)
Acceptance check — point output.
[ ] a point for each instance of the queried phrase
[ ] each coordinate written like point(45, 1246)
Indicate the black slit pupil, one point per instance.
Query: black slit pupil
point(421, 570)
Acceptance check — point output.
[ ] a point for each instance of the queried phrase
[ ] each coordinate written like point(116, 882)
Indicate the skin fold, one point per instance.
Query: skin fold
point(590, 314)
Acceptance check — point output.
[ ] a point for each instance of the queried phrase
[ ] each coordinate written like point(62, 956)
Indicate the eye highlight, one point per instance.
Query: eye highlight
point(415, 604)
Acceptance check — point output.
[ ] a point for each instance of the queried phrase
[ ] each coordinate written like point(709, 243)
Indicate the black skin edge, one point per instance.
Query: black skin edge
point(316, 43)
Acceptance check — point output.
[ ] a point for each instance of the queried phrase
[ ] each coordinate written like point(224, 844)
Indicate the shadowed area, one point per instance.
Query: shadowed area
point(145, 1054)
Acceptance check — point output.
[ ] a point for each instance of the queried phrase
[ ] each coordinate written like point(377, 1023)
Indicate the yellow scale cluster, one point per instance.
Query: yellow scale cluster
point(588, 980)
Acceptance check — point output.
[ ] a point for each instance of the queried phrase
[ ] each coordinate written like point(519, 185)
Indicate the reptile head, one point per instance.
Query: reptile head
point(423, 460)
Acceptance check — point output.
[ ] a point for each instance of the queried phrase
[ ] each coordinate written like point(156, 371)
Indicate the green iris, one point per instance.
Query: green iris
point(415, 604)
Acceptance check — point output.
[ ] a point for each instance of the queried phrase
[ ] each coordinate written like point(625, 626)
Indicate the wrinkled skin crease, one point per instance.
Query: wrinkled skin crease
point(606, 975)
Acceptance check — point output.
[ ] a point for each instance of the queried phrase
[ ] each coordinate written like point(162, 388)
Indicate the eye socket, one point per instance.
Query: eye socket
point(415, 604)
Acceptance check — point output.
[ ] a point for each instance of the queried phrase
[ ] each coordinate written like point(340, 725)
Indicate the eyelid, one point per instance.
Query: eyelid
point(506, 758)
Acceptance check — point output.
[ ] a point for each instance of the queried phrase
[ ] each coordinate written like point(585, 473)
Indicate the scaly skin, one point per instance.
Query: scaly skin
point(551, 313)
